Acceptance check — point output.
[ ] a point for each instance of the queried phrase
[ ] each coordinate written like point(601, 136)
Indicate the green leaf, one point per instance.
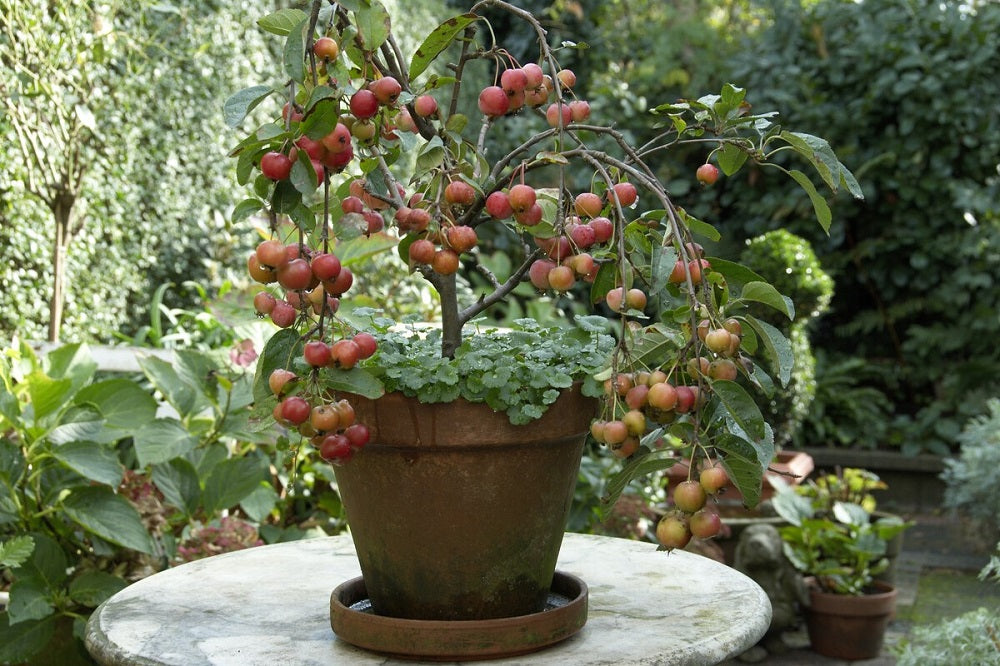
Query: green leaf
point(662, 260)
point(47, 563)
point(260, 502)
point(361, 249)
point(99, 510)
point(848, 180)
point(733, 272)
point(279, 352)
point(657, 343)
point(732, 97)
point(282, 22)
point(374, 25)
point(243, 102)
point(741, 407)
point(762, 292)
point(80, 424)
point(742, 466)
point(29, 600)
point(294, 56)
point(19, 642)
point(643, 463)
point(16, 551)
point(303, 175)
point(731, 158)
point(431, 155)
point(850, 513)
point(819, 153)
point(48, 395)
point(777, 346)
point(198, 370)
point(700, 227)
point(178, 481)
point(73, 362)
point(93, 588)
point(456, 123)
point(161, 440)
point(355, 380)
point(823, 214)
point(286, 197)
point(246, 208)
point(321, 120)
point(230, 482)
point(93, 461)
point(10, 408)
point(791, 506)
point(165, 379)
point(319, 94)
point(436, 42)
point(122, 402)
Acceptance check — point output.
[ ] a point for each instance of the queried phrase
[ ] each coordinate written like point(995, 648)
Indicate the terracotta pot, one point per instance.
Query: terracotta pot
point(850, 627)
point(457, 514)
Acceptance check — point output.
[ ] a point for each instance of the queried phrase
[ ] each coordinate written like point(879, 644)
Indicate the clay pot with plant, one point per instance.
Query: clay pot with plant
point(833, 538)
point(369, 146)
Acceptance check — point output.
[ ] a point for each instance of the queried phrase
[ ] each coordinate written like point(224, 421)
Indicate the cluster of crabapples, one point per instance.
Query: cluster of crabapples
point(313, 283)
point(690, 515)
point(644, 398)
point(530, 86)
point(566, 255)
point(329, 424)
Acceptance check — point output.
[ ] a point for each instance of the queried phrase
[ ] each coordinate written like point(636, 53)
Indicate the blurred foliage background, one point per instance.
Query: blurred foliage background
point(906, 91)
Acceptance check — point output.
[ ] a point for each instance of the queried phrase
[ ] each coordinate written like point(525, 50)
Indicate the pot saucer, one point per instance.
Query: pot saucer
point(353, 621)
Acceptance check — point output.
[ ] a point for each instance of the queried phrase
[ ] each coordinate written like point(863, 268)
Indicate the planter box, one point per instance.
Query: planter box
point(914, 481)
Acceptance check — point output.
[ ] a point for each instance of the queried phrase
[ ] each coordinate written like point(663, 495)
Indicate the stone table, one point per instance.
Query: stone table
point(270, 605)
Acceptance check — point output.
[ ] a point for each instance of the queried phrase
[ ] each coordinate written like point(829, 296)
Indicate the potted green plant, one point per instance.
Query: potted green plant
point(841, 548)
point(504, 155)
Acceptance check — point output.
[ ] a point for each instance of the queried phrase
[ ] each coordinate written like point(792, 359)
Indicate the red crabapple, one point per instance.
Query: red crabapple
point(498, 206)
point(275, 165)
point(522, 197)
point(364, 104)
point(493, 101)
point(386, 90)
point(689, 496)
point(707, 174)
point(425, 106)
point(326, 48)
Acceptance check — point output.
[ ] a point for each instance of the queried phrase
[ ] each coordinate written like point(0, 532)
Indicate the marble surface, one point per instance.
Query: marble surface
point(270, 605)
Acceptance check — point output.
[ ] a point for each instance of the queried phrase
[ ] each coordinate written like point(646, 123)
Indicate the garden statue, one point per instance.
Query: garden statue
point(759, 555)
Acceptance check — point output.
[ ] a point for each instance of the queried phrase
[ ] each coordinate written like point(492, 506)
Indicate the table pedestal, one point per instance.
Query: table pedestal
point(270, 605)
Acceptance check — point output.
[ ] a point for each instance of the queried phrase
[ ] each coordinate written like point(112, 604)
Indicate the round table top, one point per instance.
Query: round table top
point(270, 605)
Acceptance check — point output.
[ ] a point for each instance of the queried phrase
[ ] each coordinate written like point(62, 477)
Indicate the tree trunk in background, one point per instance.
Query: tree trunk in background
point(62, 210)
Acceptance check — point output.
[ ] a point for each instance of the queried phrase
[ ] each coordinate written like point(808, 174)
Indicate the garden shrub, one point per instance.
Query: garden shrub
point(973, 479)
point(900, 88)
point(846, 410)
point(967, 639)
point(788, 262)
point(107, 480)
point(971, 638)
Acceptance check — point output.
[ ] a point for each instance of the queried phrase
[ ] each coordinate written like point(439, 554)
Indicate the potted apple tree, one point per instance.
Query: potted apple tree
point(433, 154)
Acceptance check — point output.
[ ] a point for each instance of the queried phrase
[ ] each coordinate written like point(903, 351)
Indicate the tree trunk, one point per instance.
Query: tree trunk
point(62, 212)
point(451, 327)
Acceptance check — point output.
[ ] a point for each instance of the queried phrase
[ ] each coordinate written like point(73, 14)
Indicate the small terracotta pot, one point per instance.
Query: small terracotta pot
point(850, 627)
point(455, 513)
